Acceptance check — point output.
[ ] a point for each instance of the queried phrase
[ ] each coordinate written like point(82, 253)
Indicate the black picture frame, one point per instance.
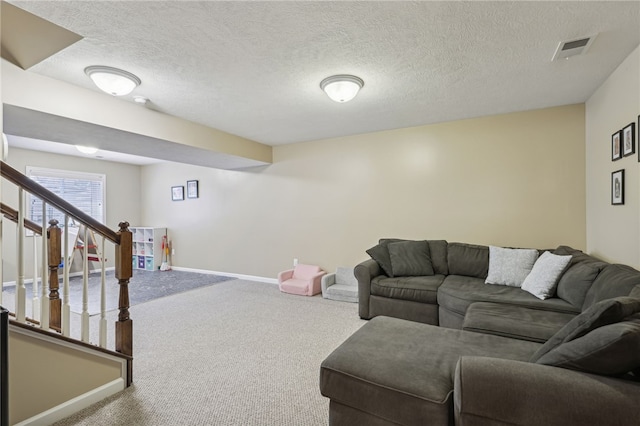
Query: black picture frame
point(638, 138)
point(617, 187)
point(177, 193)
point(616, 148)
point(192, 189)
point(628, 139)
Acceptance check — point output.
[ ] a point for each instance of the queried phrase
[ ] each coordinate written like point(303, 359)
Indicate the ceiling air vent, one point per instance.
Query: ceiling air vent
point(567, 49)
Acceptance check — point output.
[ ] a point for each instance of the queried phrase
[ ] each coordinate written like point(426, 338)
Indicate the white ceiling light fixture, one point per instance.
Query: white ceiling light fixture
point(341, 88)
point(86, 149)
point(113, 81)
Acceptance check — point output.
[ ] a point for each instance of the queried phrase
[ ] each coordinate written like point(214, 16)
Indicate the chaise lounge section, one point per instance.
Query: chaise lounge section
point(500, 354)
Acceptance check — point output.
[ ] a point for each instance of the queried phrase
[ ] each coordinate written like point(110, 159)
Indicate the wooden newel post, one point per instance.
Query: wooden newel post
point(54, 254)
point(124, 271)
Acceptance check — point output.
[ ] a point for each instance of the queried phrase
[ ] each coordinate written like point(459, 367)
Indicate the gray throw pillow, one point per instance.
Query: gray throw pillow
point(510, 266)
point(607, 312)
point(410, 259)
point(612, 349)
point(380, 253)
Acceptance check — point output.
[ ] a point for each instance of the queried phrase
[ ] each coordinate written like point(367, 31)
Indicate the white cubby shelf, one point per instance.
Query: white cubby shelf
point(147, 247)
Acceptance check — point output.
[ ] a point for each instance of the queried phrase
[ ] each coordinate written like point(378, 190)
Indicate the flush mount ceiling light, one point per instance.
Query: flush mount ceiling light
point(86, 149)
point(112, 80)
point(341, 88)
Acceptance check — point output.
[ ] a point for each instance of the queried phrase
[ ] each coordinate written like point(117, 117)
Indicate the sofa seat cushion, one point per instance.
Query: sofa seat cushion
point(403, 371)
point(418, 289)
point(458, 292)
point(342, 292)
point(516, 322)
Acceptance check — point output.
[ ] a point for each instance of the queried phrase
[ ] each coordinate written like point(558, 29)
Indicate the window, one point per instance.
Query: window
point(85, 191)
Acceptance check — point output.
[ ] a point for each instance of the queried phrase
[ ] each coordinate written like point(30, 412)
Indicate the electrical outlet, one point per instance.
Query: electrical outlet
point(295, 261)
point(173, 251)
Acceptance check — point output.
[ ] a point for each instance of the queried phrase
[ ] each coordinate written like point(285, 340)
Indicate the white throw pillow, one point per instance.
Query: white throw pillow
point(546, 273)
point(510, 266)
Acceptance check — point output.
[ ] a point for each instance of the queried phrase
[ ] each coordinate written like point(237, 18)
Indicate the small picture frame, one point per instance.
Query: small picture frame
point(192, 189)
point(638, 138)
point(616, 152)
point(617, 187)
point(629, 139)
point(177, 193)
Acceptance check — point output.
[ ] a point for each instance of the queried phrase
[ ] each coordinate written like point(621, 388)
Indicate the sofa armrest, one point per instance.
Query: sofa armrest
point(326, 282)
point(285, 275)
point(491, 391)
point(364, 273)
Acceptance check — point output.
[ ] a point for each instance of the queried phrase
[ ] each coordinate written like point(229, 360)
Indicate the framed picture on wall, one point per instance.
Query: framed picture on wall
point(192, 189)
point(629, 139)
point(616, 152)
point(617, 187)
point(638, 138)
point(177, 193)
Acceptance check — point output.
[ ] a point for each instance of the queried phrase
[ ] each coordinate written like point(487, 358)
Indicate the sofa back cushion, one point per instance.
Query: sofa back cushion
point(410, 258)
point(468, 259)
point(612, 281)
point(579, 277)
point(438, 249)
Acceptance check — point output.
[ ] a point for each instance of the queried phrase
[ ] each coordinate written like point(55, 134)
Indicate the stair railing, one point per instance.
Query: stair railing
point(54, 312)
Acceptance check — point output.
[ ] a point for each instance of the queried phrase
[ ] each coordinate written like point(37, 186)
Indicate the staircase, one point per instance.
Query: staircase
point(42, 323)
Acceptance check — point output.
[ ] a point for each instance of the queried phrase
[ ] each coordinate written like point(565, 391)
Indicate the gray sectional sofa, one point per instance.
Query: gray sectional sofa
point(443, 347)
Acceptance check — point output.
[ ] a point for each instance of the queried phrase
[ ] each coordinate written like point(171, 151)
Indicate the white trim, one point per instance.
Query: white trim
point(76, 404)
point(71, 274)
point(228, 274)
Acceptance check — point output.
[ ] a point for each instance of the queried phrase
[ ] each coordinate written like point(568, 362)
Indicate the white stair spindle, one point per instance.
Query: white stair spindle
point(85, 287)
point(44, 288)
point(66, 309)
point(35, 301)
point(21, 292)
point(103, 299)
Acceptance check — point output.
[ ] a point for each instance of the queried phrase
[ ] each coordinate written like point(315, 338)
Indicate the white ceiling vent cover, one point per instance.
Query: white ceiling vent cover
point(567, 49)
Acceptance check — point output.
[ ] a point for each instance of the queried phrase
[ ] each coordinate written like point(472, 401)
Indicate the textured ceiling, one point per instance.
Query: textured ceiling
point(253, 68)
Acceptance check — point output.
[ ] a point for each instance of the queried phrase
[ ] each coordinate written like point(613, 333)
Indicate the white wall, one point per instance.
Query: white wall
point(514, 180)
point(613, 232)
point(122, 198)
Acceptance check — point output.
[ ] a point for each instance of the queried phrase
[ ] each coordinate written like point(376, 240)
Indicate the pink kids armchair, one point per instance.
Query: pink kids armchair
point(303, 280)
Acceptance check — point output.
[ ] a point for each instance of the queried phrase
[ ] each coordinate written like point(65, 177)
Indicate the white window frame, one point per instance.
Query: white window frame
point(68, 174)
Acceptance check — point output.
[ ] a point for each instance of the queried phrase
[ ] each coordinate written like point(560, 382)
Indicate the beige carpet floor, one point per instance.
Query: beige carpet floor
point(236, 353)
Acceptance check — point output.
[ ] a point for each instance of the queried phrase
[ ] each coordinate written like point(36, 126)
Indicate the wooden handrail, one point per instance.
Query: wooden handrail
point(12, 215)
point(53, 251)
point(64, 206)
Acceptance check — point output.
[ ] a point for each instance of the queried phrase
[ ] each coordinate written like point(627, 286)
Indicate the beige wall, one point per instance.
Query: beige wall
point(613, 232)
point(513, 180)
point(45, 374)
point(122, 200)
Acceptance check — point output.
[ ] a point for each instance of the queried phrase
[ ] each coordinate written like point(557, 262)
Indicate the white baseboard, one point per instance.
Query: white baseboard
point(71, 274)
point(228, 274)
point(76, 404)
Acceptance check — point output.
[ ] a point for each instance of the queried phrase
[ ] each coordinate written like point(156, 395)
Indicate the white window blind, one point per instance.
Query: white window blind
point(86, 191)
